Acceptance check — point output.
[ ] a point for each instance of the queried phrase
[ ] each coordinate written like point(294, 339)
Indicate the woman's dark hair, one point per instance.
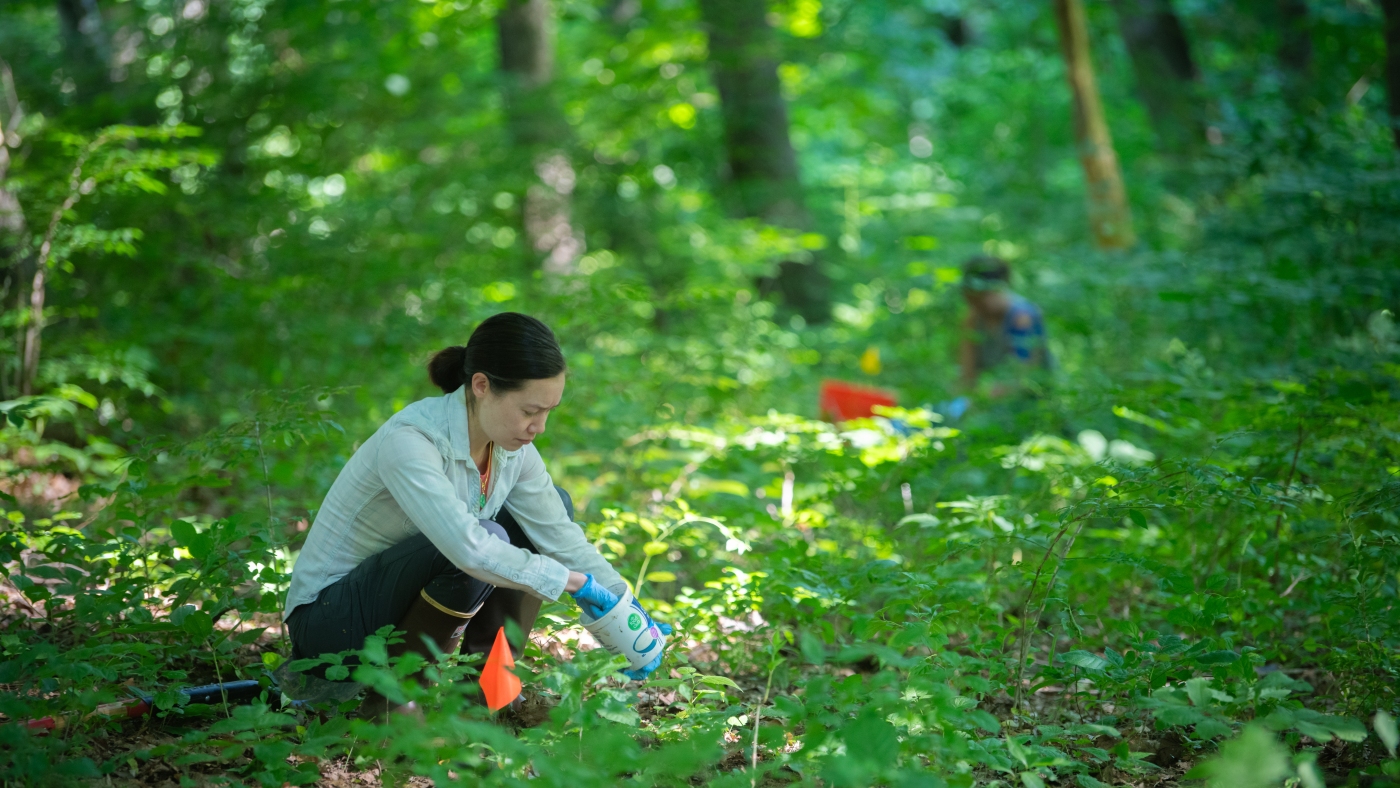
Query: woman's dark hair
point(509, 349)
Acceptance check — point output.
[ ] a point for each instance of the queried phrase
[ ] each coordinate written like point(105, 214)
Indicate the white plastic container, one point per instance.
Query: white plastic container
point(624, 630)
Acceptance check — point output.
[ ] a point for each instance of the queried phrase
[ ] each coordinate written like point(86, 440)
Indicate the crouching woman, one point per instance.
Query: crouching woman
point(445, 522)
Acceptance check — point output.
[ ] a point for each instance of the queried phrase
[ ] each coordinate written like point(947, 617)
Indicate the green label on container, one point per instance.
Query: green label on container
point(634, 622)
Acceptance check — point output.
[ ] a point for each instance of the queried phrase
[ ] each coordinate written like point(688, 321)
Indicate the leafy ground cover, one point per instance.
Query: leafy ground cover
point(857, 604)
point(1177, 561)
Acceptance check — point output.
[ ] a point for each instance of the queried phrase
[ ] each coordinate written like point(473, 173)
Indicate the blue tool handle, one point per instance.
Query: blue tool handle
point(235, 691)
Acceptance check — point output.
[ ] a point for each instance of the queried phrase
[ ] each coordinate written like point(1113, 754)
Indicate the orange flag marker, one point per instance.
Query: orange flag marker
point(498, 683)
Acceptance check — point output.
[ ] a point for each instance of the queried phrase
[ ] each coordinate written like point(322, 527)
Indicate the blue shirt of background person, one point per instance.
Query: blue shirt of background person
point(1004, 332)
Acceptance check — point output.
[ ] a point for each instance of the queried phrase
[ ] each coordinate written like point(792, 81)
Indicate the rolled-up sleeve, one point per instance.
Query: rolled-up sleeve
point(537, 507)
point(411, 468)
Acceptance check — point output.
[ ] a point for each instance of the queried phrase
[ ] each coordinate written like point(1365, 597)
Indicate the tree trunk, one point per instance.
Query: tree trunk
point(31, 351)
point(762, 166)
point(525, 36)
point(1391, 8)
point(537, 127)
point(85, 39)
point(1109, 216)
point(1295, 48)
point(1166, 73)
point(955, 29)
point(13, 228)
point(33, 331)
point(12, 224)
point(624, 11)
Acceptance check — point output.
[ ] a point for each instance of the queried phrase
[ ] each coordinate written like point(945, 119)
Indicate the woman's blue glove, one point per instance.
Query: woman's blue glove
point(954, 409)
point(593, 599)
point(645, 670)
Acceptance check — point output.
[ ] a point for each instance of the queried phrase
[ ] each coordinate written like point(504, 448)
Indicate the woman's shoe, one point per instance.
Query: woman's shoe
point(504, 604)
point(426, 620)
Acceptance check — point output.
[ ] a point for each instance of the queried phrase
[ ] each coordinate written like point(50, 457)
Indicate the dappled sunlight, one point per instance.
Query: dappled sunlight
point(984, 393)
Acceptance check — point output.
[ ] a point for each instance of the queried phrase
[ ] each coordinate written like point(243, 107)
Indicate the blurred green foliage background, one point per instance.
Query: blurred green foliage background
point(284, 208)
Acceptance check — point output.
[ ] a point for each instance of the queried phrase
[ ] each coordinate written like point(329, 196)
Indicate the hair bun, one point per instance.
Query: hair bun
point(447, 369)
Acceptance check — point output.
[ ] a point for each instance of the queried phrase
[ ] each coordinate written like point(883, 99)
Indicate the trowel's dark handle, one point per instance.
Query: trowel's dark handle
point(234, 691)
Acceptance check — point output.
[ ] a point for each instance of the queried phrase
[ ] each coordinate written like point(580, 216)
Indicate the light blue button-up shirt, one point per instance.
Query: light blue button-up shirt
point(416, 475)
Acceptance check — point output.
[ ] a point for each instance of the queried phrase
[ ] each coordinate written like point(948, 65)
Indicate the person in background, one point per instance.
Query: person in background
point(1003, 335)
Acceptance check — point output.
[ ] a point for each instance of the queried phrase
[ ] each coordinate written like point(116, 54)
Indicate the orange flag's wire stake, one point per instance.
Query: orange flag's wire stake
point(498, 683)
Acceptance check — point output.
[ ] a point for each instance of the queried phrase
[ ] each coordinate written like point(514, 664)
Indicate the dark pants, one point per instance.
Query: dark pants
point(379, 591)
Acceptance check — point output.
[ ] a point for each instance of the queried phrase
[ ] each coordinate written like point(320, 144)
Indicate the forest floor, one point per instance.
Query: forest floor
point(1169, 754)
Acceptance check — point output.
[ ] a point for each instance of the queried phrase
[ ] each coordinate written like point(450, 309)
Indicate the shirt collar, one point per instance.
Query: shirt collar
point(459, 434)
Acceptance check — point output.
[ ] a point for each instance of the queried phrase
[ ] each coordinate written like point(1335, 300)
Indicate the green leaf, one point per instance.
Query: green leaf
point(1346, 728)
point(167, 699)
point(984, 720)
point(718, 681)
point(1320, 733)
point(199, 624)
point(1092, 729)
point(376, 651)
point(1084, 659)
point(1139, 519)
point(1178, 715)
point(1017, 751)
point(1218, 658)
point(193, 758)
point(616, 712)
point(188, 537)
point(1032, 780)
point(1281, 719)
point(1385, 729)
point(661, 577)
point(1212, 728)
point(871, 739)
point(1280, 680)
point(1198, 690)
point(813, 649)
point(76, 394)
point(273, 753)
point(1255, 760)
point(1310, 774)
point(921, 520)
point(788, 707)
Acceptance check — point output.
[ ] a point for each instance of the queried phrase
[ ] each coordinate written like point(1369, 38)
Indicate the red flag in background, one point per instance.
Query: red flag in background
point(498, 683)
point(840, 401)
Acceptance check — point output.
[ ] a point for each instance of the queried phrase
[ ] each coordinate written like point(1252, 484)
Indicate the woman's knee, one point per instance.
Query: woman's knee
point(495, 529)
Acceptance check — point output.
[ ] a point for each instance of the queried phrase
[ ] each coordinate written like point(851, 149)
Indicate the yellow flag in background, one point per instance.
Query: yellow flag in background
point(870, 361)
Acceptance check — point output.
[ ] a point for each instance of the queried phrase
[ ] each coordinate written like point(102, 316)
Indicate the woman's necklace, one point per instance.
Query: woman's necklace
point(486, 475)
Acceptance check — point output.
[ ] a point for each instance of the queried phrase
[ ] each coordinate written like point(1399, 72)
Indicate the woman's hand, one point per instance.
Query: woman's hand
point(576, 581)
point(593, 599)
point(641, 673)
